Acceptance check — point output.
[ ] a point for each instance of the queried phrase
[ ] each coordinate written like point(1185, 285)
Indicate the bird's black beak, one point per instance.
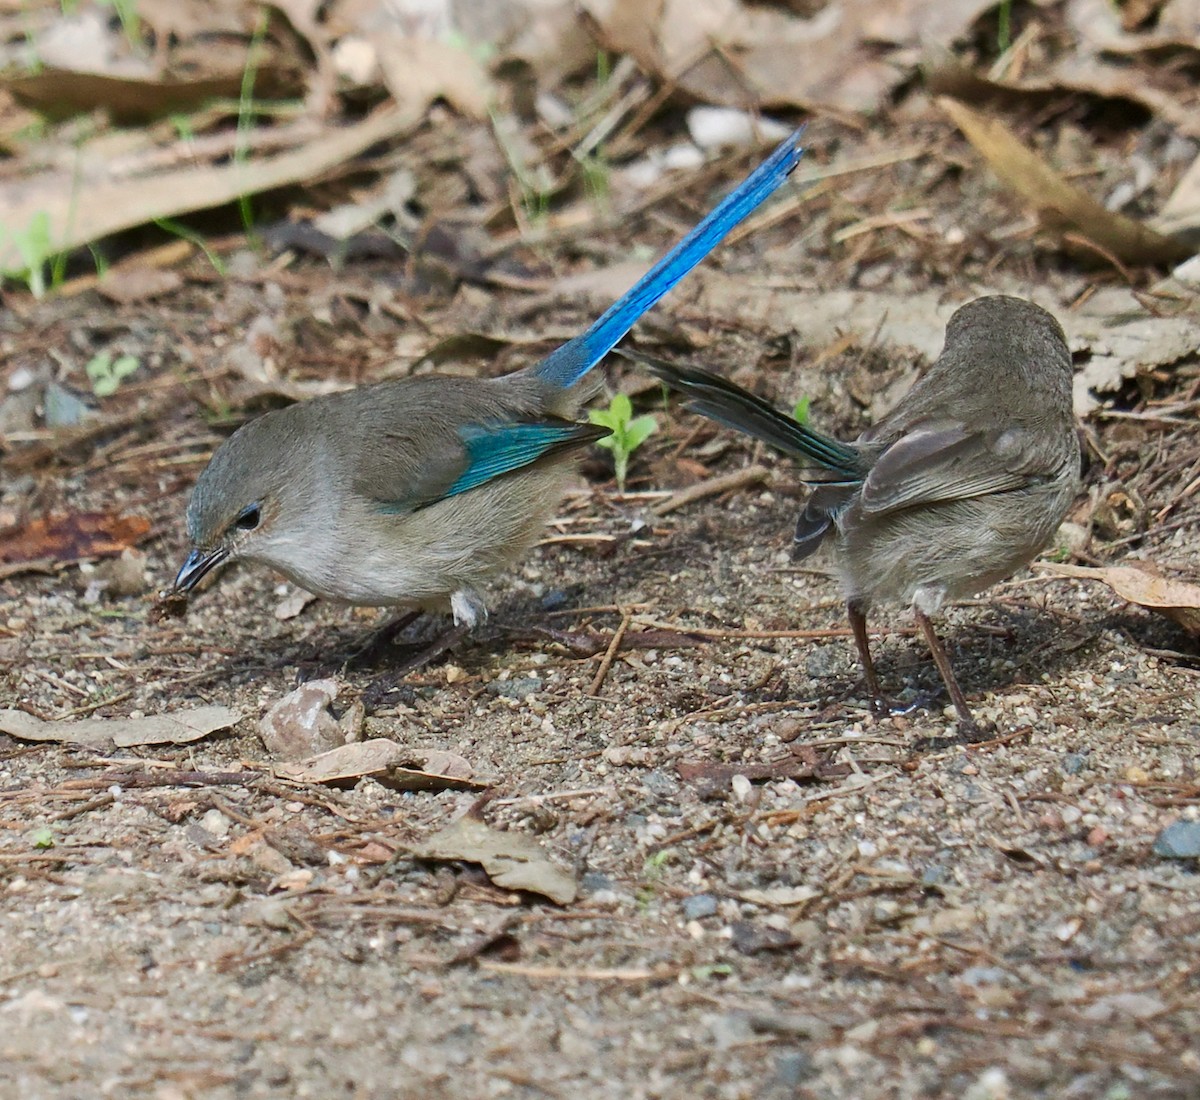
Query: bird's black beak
point(199, 564)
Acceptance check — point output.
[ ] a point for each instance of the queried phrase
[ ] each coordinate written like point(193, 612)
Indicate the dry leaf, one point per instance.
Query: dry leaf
point(512, 860)
point(138, 283)
point(1060, 205)
point(1182, 210)
point(733, 53)
point(419, 70)
point(780, 895)
point(116, 204)
point(59, 93)
point(1113, 327)
point(787, 767)
point(176, 728)
point(1142, 583)
point(1165, 91)
point(387, 763)
point(71, 538)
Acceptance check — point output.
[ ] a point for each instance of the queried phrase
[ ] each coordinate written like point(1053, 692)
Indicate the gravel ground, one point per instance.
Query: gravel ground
point(779, 895)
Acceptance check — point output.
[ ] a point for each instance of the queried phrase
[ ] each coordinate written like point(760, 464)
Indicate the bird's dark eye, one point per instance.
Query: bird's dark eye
point(248, 518)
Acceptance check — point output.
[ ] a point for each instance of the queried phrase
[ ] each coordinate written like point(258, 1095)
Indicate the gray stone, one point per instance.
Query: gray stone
point(699, 906)
point(516, 688)
point(1179, 840)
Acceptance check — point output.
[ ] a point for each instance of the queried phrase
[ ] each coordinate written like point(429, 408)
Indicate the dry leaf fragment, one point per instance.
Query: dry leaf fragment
point(72, 537)
point(780, 895)
point(787, 767)
point(116, 203)
point(387, 763)
point(168, 605)
point(512, 860)
point(734, 53)
point(59, 93)
point(293, 604)
point(1060, 205)
point(175, 728)
point(138, 283)
point(419, 70)
point(1143, 584)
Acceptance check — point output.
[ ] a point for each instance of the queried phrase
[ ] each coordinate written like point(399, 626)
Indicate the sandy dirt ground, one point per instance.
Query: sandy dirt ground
point(778, 894)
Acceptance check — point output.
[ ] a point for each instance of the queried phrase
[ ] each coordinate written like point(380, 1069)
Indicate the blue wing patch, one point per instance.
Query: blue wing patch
point(496, 449)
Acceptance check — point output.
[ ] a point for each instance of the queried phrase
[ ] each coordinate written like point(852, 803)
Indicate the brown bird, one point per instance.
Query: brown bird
point(960, 485)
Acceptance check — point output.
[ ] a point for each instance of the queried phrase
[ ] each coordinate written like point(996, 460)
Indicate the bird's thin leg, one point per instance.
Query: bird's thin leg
point(857, 615)
point(447, 639)
point(380, 639)
point(942, 660)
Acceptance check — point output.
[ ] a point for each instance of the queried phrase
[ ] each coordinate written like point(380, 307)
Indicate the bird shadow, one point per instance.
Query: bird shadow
point(1045, 644)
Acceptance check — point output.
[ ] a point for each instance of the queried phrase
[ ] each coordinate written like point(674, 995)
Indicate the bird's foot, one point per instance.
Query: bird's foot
point(884, 707)
point(468, 608)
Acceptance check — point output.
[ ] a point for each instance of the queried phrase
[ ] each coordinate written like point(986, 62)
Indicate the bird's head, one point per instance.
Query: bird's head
point(248, 501)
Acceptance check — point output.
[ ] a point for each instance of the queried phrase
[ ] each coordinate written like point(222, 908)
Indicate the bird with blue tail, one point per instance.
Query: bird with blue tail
point(416, 492)
point(956, 488)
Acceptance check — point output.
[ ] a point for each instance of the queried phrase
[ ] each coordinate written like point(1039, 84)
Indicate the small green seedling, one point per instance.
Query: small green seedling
point(33, 244)
point(42, 837)
point(800, 412)
point(106, 373)
point(709, 971)
point(653, 867)
point(628, 432)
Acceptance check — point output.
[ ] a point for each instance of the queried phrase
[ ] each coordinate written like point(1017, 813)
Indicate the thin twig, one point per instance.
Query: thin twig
point(610, 654)
point(714, 486)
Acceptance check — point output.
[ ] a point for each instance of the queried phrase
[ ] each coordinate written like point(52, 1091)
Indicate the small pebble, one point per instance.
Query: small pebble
point(699, 906)
point(1179, 840)
point(792, 1068)
point(1074, 762)
point(516, 688)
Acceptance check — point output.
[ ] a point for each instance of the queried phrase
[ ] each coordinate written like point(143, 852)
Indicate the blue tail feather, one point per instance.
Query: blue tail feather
point(567, 364)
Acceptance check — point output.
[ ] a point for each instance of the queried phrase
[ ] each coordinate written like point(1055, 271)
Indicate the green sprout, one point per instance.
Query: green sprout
point(628, 432)
point(1004, 26)
point(131, 23)
point(246, 115)
point(105, 373)
point(800, 412)
point(597, 175)
point(33, 244)
point(42, 837)
point(653, 867)
point(178, 229)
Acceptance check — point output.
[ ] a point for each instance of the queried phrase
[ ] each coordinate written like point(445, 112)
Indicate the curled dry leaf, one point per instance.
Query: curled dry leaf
point(1143, 584)
point(175, 728)
point(387, 763)
point(780, 895)
point(1061, 206)
point(512, 860)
